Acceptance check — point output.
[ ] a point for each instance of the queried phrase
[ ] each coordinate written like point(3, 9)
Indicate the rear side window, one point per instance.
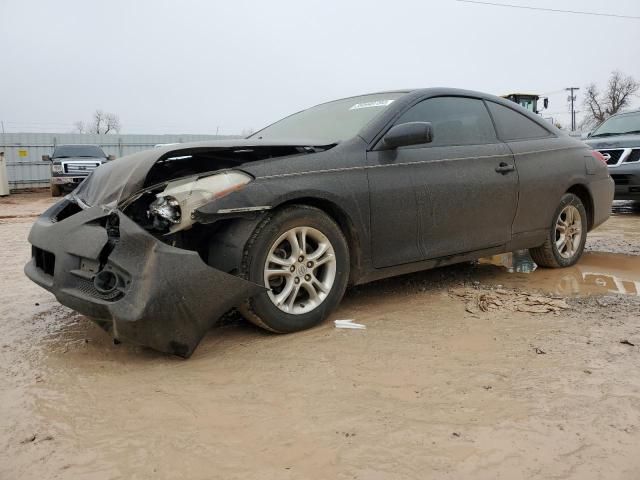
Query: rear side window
point(455, 120)
point(512, 125)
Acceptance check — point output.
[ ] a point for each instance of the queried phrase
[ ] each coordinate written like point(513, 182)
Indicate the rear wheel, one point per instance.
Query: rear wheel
point(302, 257)
point(568, 233)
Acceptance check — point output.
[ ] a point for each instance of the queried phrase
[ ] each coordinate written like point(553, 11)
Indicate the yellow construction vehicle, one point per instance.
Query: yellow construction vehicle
point(528, 101)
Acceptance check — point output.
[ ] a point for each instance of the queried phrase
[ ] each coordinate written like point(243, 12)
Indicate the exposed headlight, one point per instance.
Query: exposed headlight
point(166, 208)
point(57, 168)
point(181, 197)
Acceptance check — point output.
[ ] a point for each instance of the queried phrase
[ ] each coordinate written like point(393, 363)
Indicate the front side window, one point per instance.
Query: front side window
point(455, 120)
point(513, 125)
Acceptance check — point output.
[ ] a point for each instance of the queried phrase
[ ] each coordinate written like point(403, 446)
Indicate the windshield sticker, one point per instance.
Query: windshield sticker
point(377, 103)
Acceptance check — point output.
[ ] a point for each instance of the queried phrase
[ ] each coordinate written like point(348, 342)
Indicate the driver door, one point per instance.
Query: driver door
point(445, 197)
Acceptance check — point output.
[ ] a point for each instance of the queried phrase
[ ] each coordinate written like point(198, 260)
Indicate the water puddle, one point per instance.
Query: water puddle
point(595, 274)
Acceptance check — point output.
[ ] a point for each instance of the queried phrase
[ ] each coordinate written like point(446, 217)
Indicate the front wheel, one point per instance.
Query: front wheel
point(302, 257)
point(566, 238)
point(56, 190)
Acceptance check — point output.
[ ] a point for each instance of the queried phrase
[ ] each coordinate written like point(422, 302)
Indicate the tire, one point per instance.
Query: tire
point(277, 310)
point(564, 249)
point(56, 190)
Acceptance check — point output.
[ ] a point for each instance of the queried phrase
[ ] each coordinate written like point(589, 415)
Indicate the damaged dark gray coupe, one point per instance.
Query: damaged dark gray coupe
point(156, 246)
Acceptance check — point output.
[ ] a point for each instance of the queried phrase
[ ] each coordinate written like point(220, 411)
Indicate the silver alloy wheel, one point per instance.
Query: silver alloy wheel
point(568, 233)
point(300, 270)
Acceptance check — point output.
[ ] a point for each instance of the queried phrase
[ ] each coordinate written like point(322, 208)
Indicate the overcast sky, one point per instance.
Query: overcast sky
point(194, 66)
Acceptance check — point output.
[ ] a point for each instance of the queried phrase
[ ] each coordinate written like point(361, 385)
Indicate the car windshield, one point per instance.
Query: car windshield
point(619, 125)
point(330, 122)
point(65, 151)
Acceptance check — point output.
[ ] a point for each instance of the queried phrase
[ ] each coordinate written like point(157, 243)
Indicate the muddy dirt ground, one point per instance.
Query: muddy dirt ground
point(456, 376)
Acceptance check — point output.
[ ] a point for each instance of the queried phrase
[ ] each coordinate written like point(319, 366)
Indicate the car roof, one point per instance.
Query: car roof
point(77, 145)
point(437, 91)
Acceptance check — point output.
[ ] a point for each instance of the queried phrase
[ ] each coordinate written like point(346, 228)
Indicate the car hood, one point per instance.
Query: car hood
point(79, 159)
point(119, 179)
point(614, 141)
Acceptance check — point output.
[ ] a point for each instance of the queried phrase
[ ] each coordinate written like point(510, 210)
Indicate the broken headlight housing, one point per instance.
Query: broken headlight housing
point(173, 207)
point(164, 211)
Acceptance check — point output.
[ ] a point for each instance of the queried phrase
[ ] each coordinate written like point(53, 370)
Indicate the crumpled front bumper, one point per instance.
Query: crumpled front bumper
point(149, 293)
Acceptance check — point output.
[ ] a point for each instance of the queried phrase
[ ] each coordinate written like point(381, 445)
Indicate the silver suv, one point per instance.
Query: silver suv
point(71, 164)
point(618, 139)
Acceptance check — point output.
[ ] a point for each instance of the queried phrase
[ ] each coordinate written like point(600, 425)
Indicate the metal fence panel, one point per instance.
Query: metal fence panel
point(23, 151)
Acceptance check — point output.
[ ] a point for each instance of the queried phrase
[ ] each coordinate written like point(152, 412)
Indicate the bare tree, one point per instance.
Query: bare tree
point(79, 127)
point(617, 96)
point(102, 122)
point(112, 123)
point(96, 125)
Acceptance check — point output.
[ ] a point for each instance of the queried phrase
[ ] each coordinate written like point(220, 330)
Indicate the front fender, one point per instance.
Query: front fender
point(255, 197)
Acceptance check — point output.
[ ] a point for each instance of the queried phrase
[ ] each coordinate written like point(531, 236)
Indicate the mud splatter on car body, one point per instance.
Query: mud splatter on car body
point(153, 246)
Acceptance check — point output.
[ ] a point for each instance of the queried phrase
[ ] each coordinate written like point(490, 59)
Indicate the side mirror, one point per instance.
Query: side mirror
point(410, 133)
point(545, 103)
point(111, 157)
point(46, 158)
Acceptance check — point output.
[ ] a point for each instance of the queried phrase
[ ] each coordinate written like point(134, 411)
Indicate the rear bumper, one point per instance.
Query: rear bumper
point(103, 265)
point(602, 194)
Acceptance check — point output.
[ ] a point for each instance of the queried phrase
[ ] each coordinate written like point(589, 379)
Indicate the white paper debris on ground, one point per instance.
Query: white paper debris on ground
point(349, 324)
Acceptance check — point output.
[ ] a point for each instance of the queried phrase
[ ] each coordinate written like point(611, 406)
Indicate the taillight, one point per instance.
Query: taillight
point(598, 156)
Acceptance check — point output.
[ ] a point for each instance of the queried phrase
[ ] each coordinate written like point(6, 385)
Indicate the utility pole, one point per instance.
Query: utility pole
point(572, 97)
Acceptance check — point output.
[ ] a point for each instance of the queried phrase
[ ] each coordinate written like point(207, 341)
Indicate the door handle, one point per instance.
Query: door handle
point(505, 168)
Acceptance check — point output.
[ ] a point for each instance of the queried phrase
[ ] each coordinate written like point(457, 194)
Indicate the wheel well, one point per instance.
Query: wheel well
point(583, 194)
point(345, 224)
